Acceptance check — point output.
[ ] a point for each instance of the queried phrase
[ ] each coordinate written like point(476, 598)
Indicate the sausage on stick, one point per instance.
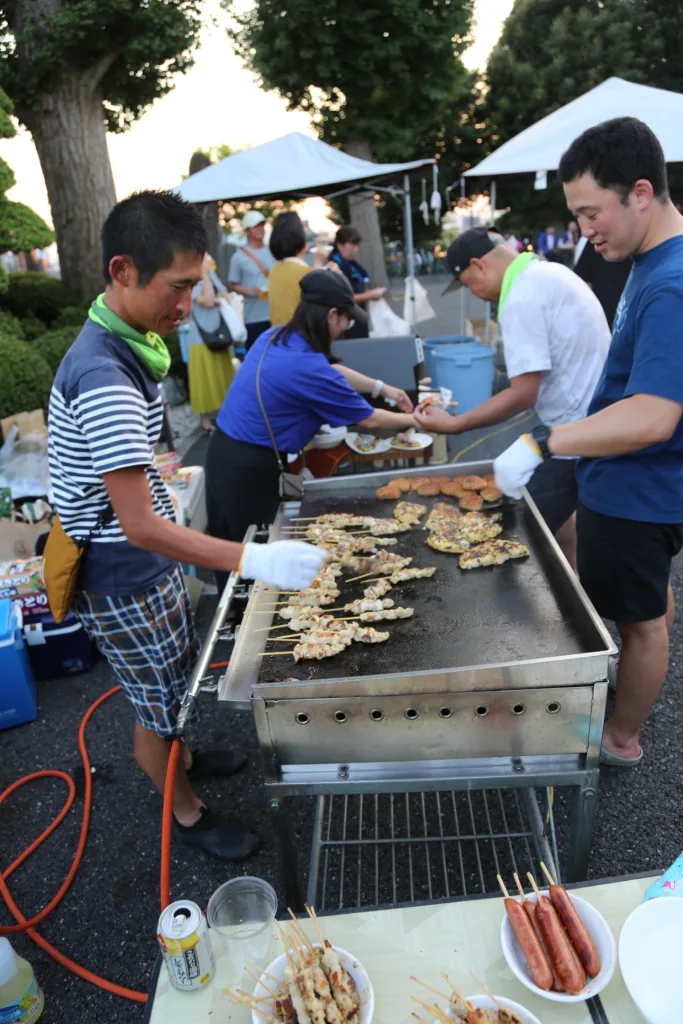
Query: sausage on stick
point(526, 936)
point(578, 932)
point(530, 911)
point(569, 968)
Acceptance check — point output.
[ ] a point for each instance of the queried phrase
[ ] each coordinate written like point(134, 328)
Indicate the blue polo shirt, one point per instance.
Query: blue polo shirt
point(645, 357)
point(300, 391)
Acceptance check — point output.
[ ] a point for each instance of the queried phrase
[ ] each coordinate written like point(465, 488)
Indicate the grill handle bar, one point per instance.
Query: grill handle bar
point(207, 649)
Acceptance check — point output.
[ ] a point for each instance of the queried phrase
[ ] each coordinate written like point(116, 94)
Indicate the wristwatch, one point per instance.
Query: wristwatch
point(377, 390)
point(541, 435)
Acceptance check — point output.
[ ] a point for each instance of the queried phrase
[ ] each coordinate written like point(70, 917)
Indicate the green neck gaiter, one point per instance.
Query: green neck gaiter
point(150, 349)
point(517, 267)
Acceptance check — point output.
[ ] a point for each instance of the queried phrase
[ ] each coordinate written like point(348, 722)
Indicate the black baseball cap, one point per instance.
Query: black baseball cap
point(472, 244)
point(330, 288)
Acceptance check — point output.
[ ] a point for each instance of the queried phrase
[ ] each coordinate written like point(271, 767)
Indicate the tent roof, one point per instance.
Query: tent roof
point(540, 147)
point(291, 166)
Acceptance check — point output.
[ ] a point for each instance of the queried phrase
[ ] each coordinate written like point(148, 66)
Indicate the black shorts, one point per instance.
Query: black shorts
point(624, 565)
point(553, 488)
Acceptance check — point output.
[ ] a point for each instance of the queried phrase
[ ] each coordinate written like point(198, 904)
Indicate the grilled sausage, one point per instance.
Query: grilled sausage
point(530, 909)
point(567, 964)
point(578, 932)
point(531, 947)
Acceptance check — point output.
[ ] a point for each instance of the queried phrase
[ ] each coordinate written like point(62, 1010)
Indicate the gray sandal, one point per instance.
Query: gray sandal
point(615, 761)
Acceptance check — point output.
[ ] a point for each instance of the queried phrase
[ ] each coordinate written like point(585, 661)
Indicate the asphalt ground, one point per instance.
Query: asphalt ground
point(107, 920)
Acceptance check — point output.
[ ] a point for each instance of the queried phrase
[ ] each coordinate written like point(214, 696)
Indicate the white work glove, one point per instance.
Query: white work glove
point(288, 564)
point(515, 467)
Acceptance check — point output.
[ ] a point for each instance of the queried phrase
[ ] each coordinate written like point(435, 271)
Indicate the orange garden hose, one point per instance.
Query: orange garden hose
point(28, 926)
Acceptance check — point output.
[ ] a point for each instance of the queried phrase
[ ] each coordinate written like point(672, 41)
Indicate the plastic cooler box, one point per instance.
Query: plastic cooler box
point(17, 682)
point(57, 649)
point(433, 345)
point(468, 370)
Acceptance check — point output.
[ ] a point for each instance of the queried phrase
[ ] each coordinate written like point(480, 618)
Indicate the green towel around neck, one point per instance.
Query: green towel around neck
point(517, 267)
point(150, 349)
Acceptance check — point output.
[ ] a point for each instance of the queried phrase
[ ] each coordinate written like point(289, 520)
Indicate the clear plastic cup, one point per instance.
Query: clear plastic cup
point(241, 914)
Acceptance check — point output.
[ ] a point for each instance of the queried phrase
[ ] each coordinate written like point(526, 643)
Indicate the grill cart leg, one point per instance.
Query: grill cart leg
point(583, 816)
point(288, 865)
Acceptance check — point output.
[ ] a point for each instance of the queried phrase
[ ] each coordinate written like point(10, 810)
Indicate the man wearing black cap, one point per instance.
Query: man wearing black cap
point(555, 338)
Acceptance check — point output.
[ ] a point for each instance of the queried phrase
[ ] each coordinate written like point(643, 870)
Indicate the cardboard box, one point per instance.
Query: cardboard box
point(28, 422)
point(477, 328)
point(22, 582)
point(18, 540)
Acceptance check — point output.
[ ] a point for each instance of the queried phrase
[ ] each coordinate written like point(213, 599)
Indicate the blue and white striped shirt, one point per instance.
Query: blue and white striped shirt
point(105, 414)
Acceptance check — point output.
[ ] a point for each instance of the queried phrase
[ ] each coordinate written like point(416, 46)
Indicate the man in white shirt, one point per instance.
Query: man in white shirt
point(555, 338)
point(248, 276)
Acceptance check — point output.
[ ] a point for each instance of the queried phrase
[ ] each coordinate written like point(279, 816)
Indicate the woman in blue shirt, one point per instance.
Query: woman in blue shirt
point(301, 390)
point(346, 245)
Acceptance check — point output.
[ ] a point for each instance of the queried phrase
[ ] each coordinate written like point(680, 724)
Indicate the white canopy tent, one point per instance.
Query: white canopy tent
point(297, 167)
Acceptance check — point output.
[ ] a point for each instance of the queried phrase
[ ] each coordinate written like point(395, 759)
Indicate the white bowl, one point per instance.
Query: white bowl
point(649, 955)
point(601, 935)
point(329, 437)
point(481, 1002)
point(356, 970)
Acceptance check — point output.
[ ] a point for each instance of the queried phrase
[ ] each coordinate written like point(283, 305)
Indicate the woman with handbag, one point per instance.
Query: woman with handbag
point(210, 370)
point(287, 388)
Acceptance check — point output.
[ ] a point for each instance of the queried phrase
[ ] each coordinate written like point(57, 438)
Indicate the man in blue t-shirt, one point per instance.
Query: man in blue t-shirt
point(630, 516)
point(103, 425)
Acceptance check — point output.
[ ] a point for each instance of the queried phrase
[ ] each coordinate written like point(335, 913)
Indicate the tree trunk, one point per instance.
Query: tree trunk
point(69, 134)
point(363, 215)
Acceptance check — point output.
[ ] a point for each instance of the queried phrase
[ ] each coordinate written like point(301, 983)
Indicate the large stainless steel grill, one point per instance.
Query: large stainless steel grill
point(499, 682)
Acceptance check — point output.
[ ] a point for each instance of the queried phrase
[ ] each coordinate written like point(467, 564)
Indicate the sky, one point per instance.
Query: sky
point(216, 101)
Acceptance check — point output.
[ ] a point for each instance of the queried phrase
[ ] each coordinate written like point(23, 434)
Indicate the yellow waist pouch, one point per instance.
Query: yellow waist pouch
point(62, 562)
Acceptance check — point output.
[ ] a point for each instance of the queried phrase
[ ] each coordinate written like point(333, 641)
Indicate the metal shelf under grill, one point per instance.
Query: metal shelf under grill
point(383, 849)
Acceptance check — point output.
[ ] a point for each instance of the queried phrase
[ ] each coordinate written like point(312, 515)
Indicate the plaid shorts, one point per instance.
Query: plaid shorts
point(150, 642)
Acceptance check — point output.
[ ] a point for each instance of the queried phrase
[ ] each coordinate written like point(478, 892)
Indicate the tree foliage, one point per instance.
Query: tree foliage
point(20, 228)
point(387, 74)
point(132, 50)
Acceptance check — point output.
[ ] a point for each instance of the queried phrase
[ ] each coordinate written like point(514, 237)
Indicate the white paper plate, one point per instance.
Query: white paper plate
point(382, 445)
point(423, 439)
point(329, 437)
point(650, 958)
point(601, 935)
point(480, 1002)
point(354, 967)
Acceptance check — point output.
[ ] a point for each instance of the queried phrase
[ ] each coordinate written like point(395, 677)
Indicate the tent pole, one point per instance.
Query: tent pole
point(492, 221)
point(410, 252)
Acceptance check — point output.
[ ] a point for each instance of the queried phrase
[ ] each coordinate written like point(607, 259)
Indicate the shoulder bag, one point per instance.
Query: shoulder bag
point(62, 561)
point(247, 252)
point(291, 484)
point(220, 339)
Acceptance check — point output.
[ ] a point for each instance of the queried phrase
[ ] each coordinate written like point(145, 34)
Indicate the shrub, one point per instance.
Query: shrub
point(32, 293)
point(26, 378)
point(53, 345)
point(32, 327)
point(70, 315)
point(11, 325)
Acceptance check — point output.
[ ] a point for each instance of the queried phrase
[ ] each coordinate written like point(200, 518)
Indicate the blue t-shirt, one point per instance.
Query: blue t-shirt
point(105, 414)
point(300, 391)
point(645, 357)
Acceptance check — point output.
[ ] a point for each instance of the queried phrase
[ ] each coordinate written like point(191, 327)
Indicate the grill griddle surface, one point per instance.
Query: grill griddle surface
point(499, 614)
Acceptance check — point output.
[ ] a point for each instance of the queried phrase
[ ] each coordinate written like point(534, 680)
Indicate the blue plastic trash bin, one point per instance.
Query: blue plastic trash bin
point(469, 371)
point(17, 683)
point(432, 345)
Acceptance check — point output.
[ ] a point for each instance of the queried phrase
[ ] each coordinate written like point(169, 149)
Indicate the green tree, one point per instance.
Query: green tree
point(20, 228)
point(75, 68)
point(382, 80)
point(550, 52)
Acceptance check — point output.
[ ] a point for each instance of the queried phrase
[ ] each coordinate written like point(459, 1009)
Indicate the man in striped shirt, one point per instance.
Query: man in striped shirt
point(104, 422)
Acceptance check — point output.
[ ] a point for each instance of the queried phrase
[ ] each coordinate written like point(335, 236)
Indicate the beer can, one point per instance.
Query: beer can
point(186, 946)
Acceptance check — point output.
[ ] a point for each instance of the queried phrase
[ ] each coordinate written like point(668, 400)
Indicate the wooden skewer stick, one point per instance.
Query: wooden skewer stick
point(264, 974)
point(456, 992)
point(316, 924)
point(298, 929)
point(257, 977)
point(418, 1017)
point(520, 888)
point(285, 942)
point(488, 991)
point(434, 1010)
point(501, 883)
point(547, 874)
point(272, 654)
point(430, 988)
point(354, 578)
point(532, 882)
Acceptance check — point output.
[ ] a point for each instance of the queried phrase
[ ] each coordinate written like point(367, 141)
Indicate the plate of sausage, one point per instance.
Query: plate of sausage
point(558, 945)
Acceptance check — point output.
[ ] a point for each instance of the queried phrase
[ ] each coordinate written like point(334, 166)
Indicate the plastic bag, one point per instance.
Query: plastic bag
point(384, 322)
point(232, 321)
point(24, 466)
point(423, 307)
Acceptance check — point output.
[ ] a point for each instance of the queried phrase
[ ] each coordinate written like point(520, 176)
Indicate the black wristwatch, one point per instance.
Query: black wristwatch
point(541, 434)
